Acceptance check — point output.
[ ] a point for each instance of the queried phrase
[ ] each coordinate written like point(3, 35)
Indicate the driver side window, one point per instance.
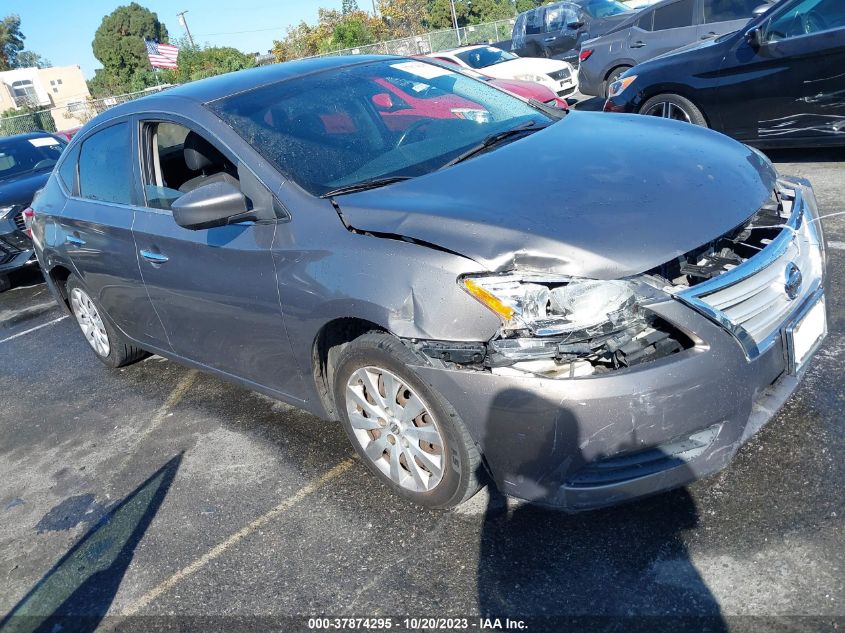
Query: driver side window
point(178, 160)
point(806, 18)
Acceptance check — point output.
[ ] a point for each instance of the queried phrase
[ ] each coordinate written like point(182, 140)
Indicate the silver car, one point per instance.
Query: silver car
point(427, 277)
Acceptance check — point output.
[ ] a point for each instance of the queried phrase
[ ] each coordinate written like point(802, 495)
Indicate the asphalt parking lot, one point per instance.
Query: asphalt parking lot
point(157, 490)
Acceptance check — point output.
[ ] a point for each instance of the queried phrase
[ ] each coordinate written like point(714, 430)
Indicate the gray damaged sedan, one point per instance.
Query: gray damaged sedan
point(583, 309)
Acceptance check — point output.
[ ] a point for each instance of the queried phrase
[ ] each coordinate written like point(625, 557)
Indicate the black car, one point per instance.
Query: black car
point(557, 30)
point(26, 161)
point(656, 30)
point(777, 82)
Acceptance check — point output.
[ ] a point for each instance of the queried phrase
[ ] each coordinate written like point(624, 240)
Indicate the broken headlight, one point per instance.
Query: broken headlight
point(575, 309)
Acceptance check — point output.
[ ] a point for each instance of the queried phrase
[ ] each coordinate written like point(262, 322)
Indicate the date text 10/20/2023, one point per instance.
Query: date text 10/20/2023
point(415, 624)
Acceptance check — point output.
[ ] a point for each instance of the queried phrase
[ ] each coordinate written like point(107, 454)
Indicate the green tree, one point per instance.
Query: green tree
point(11, 41)
point(196, 62)
point(119, 45)
point(29, 59)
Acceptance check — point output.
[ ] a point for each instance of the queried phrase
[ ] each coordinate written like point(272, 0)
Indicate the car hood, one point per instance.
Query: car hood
point(524, 65)
point(22, 189)
point(594, 195)
point(527, 89)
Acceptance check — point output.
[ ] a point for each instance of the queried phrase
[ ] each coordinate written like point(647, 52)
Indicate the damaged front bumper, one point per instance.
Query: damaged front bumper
point(651, 424)
point(601, 440)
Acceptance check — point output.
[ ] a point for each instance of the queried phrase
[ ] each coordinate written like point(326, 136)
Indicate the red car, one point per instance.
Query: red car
point(524, 89)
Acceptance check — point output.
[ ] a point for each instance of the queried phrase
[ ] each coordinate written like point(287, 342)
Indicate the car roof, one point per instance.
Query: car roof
point(452, 51)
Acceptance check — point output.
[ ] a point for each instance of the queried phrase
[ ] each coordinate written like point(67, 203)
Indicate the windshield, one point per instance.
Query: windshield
point(484, 56)
point(386, 119)
point(604, 8)
point(26, 155)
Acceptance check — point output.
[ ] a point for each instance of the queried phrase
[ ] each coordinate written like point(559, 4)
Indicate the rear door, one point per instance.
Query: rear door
point(97, 226)
point(559, 36)
point(791, 88)
point(214, 289)
point(663, 29)
point(725, 16)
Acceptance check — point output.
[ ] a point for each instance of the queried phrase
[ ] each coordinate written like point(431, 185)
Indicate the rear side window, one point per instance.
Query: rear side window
point(673, 16)
point(105, 170)
point(727, 10)
point(534, 21)
point(67, 172)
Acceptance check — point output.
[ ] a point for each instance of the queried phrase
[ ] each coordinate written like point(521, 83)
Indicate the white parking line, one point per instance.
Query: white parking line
point(840, 246)
point(31, 330)
point(219, 549)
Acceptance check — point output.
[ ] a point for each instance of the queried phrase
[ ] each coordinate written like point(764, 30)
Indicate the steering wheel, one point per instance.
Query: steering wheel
point(414, 127)
point(44, 164)
point(812, 22)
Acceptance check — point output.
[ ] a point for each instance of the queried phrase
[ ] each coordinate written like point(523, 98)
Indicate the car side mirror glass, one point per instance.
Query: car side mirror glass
point(760, 10)
point(382, 101)
point(754, 37)
point(575, 25)
point(214, 204)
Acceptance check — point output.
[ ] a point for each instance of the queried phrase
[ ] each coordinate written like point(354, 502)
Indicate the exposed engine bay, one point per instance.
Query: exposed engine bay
point(569, 328)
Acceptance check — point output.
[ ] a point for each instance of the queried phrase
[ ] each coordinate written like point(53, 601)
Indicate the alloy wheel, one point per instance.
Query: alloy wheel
point(90, 321)
point(395, 428)
point(669, 110)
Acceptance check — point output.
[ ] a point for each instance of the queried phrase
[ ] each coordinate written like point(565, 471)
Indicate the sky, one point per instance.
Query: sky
point(62, 30)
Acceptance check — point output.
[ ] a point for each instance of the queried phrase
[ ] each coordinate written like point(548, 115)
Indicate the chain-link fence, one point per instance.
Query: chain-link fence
point(432, 42)
point(66, 117)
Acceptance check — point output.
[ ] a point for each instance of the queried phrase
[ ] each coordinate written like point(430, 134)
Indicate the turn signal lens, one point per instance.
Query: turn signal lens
point(488, 299)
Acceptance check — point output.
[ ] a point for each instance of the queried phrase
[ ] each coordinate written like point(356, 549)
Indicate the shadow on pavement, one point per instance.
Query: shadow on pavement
point(77, 592)
point(599, 570)
point(807, 155)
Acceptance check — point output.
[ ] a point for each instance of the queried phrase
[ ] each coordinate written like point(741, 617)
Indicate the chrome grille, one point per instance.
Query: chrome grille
point(752, 299)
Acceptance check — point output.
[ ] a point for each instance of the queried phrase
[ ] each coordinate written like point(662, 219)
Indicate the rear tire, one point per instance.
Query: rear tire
point(672, 106)
point(614, 75)
point(409, 436)
point(107, 343)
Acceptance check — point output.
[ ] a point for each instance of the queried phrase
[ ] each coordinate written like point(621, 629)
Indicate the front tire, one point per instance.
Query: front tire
point(409, 436)
point(672, 106)
point(109, 345)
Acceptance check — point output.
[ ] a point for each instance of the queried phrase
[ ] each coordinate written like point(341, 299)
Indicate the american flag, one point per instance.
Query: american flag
point(162, 55)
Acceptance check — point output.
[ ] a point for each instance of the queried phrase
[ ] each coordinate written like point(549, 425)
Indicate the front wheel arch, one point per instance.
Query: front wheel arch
point(654, 95)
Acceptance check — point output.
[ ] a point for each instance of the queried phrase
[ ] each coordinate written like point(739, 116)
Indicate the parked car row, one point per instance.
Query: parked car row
point(776, 81)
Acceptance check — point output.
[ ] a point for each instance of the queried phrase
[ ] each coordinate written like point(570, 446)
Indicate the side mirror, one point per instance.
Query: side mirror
point(383, 101)
point(215, 204)
point(574, 25)
point(754, 37)
point(760, 10)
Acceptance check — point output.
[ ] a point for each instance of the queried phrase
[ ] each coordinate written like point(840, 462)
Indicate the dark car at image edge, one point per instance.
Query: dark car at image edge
point(610, 339)
point(26, 161)
point(777, 82)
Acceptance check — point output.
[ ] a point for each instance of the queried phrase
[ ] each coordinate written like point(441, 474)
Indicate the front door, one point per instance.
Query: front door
point(97, 226)
point(214, 289)
point(790, 87)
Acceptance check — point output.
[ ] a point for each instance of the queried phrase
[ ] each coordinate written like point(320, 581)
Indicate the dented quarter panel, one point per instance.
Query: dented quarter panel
point(607, 216)
point(408, 289)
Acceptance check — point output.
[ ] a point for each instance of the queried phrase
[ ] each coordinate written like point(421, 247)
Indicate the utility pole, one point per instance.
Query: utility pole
point(184, 23)
point(455, 20)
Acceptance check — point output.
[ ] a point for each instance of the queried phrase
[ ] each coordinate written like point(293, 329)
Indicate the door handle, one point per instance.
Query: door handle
point(154, 257)
point(638, 44)
point(549, 39)
point(74, 239)
point(709, 35)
